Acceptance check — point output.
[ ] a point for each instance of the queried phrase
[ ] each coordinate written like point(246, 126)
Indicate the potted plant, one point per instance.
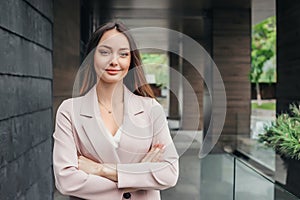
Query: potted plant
point(283, 136)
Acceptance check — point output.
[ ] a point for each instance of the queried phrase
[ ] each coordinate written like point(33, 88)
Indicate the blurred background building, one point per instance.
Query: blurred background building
point(42, 47)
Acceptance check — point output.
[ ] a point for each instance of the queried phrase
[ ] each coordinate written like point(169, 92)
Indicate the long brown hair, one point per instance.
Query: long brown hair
point(135, 80)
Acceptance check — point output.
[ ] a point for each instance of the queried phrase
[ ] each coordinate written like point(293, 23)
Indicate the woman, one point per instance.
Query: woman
point(111, 143)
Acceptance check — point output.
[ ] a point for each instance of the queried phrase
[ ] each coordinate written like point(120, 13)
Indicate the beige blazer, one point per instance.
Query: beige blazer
point(79, 130)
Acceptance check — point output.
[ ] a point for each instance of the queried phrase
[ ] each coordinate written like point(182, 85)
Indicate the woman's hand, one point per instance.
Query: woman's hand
point(91, 167)
point(155, 153)
point(109, 171)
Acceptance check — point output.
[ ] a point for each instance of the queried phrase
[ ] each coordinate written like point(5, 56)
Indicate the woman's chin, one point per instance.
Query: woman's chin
point(111, 79)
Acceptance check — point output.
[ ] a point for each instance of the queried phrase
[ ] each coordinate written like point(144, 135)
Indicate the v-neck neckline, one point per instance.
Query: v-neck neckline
point(117, 136)
point(100, 119)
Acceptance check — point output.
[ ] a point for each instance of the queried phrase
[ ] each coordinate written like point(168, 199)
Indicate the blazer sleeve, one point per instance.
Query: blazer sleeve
point(69, 180)
point(153, 175)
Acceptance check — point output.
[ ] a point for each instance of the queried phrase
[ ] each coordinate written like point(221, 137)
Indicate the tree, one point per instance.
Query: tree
point(263, 49)
point(157, 64)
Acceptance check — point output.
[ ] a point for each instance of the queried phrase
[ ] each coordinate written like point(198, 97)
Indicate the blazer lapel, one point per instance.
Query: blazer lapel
point(132, 106)
point(136, 130)
point(136, 120)
point(94, 131)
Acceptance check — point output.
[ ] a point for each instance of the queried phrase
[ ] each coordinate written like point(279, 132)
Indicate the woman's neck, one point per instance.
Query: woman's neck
point(110, 93)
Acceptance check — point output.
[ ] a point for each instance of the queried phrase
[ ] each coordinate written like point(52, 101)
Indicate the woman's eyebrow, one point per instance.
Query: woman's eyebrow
point(105, 46)
point(125, 48)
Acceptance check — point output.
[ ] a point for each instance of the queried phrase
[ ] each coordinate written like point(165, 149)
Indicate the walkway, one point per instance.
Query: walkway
point(218, 177)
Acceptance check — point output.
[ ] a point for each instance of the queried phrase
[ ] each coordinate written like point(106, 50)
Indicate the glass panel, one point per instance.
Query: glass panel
point(212, 178)
point(248, 144)
point(257, 151)
point(281, 194)
point(216, 177)
point(250, 185)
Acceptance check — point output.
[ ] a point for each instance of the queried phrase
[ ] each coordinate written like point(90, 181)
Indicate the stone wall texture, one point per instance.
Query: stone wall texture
point(26, 99)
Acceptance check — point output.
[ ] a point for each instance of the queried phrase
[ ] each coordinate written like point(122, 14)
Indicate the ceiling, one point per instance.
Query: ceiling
point(180, 15)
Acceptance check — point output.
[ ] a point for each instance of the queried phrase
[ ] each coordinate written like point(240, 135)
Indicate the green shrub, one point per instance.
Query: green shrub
point(284, 134)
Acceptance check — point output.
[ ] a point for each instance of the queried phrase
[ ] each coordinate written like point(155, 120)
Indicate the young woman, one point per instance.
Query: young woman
point(113, 142)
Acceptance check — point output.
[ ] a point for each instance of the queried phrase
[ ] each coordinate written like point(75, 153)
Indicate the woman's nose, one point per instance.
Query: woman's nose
point(114, 61)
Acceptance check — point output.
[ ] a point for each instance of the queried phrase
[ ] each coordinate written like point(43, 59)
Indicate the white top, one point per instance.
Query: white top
point(117, 136)
point(114, 140)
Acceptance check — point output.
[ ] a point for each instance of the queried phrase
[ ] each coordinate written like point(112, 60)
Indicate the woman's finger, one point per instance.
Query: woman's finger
point(153, 154)
point(157, 157)
point(150, 155)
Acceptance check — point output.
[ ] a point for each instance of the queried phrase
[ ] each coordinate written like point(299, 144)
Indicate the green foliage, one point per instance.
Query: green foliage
point(263, 49)
point(157, 64)
point(284, 134)
point(264, 106)
point(269, 71)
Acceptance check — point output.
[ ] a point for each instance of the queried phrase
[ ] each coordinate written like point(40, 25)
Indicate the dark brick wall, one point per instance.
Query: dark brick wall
point(26, 99)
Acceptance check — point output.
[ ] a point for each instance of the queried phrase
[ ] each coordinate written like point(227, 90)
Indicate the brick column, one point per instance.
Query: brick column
point(231, 53)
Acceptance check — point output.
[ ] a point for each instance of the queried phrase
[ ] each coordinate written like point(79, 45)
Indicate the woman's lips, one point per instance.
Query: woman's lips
point(112, 71)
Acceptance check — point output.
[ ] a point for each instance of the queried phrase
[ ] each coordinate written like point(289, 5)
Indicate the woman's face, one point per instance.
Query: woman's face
point(112, 57)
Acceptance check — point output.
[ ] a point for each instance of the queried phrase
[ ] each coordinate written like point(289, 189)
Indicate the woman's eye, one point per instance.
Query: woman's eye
point(124, 54)
point(104, 53)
